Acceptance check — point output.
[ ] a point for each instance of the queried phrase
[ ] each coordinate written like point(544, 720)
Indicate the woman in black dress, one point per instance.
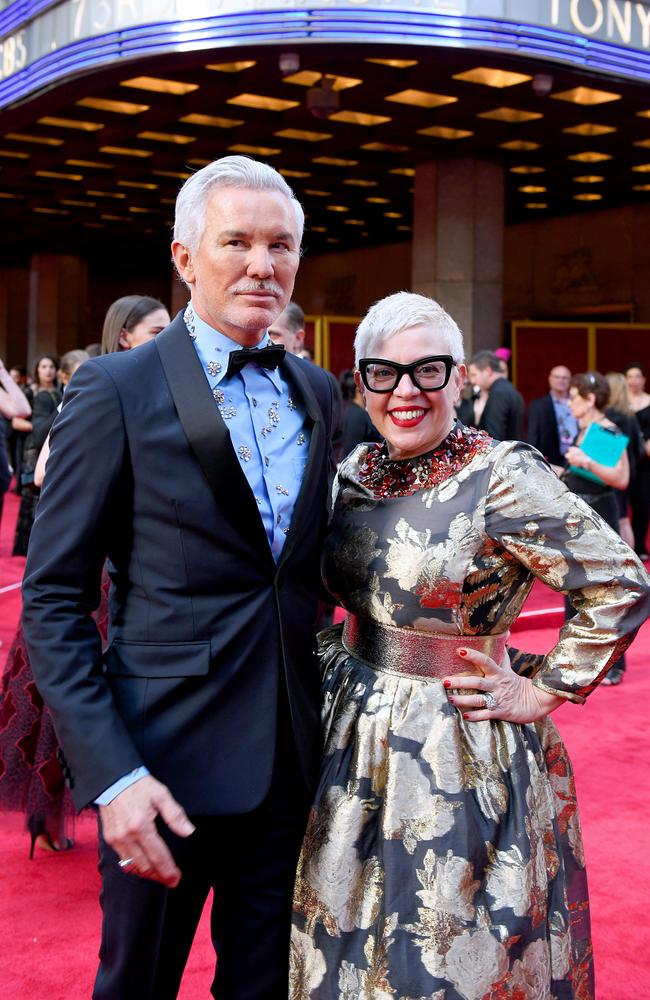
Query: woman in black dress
point(640, 492)
point(47, 397)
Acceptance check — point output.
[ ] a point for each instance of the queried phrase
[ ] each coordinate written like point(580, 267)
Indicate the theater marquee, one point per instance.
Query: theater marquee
point(64, 39)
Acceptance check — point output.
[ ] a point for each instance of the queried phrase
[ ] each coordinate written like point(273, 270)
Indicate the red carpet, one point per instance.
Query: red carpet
point(49, 914)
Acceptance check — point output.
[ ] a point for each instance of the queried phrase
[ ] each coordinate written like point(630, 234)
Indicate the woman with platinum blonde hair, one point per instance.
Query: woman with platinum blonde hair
point(443, 856)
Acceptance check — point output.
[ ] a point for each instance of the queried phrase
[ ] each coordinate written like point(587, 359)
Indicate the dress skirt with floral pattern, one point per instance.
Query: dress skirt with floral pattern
point(443, 858)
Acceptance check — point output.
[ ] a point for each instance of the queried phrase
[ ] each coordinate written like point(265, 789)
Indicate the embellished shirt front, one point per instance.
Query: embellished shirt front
point(266, 422)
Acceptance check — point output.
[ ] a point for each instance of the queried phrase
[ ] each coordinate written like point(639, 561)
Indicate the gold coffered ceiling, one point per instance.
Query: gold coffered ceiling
point(98, 161)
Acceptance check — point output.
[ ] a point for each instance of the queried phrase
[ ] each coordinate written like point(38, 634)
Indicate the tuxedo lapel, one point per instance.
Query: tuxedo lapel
point(309, 490)
point(208, 435)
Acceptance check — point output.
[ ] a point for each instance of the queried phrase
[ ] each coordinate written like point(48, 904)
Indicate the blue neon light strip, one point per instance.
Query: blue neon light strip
point(372, 26)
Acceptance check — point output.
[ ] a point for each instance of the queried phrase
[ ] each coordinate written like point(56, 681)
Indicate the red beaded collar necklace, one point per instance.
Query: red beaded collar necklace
point(386, 477)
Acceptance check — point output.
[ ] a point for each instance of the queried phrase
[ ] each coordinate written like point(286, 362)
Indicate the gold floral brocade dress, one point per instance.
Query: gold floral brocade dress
point(443, 858)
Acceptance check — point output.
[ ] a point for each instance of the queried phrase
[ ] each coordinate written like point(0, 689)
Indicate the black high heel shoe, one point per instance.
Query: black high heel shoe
point(36, 827)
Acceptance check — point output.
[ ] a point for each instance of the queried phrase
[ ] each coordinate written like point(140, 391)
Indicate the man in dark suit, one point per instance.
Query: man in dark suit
point(200, 470)
point(503, 416)
point(551, 424)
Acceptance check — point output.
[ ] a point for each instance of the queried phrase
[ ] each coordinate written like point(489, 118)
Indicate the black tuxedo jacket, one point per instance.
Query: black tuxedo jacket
point(205, 629)
point(543, 431)
point(503, 415)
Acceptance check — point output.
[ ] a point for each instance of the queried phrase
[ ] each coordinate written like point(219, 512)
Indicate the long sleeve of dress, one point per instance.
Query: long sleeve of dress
point(564, 543)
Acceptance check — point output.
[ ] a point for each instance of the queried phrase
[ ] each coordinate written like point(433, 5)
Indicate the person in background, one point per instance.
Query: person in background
point(589, 395)
point(635, 375)
point(289, 331)
point(132, 320)
point(31, 777)
point(551, 425)
point(504, 354)
point(443, 855)
point(13, 405)
point(357, 425)
point(46, 399)
point(16, 438)
point(621, 413)
point(503, 415)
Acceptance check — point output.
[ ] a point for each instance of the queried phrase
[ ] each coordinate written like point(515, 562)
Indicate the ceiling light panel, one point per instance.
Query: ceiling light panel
point(512, 115)
point(589, 179)
point(310, 78)
point(58, 176)
point(527, 169)
point(492, 77)
point(302, 135)
point(90, 164)
point(231, 67)
point(384, 147)
point(158, 85)
point(358, 118)
point(211, 121)
point(587, 196)
point(116, 107)
point(589, 129)
point(174, 138)
point(38, 140)
point(126, 151)
point(293, 173)
point(519, 145)
point(242, 147)
point(440, 132)
point(72, 123)
point(589, 156)
point(335, 161)
point(532, 189)
point(394, 63)
point(586, 96)
point(420, 99)
point(358, 182)
point(261, 102)
point(403, 171)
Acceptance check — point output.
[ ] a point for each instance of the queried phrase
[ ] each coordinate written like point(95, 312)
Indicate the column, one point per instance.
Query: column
point(458, 220)
point(58, 290)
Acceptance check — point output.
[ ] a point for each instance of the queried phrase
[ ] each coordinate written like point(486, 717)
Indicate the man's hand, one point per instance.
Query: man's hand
point(128, 826)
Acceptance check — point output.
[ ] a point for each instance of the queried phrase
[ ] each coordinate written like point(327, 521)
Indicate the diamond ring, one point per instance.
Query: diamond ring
point(126, 862)
point(490, 701)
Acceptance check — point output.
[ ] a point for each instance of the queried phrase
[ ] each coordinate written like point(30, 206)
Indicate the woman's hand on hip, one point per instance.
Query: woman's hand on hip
point(499, 693)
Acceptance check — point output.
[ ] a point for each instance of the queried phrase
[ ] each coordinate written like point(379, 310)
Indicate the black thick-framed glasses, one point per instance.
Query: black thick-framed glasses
point(428, 374)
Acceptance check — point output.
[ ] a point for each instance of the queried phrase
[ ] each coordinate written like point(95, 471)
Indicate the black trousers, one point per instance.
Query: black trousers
point(250, 862)
point(640, 503)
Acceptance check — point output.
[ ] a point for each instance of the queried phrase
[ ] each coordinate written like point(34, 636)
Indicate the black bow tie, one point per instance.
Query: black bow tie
point(267, 357)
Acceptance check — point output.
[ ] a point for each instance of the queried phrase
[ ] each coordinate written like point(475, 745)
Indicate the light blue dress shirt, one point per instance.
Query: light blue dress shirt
point(267, 429)
point(567, 425)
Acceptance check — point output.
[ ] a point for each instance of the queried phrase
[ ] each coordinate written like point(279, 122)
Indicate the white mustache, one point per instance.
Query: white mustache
point(259, 286)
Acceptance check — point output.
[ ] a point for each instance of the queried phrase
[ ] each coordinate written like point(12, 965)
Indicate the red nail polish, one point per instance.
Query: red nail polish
point(466, 716)
point(452, 701)
point(462, 652)
point(447, 684)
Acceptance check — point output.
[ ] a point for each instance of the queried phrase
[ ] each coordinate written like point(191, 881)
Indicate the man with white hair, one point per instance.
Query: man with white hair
point(198, 465)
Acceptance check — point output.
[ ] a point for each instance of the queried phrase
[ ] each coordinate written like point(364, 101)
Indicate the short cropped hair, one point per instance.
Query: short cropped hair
point(229, 171)
point(487, 359)
point(294, 316)
point(595, 383)
point(402, 311)
point(71, 361)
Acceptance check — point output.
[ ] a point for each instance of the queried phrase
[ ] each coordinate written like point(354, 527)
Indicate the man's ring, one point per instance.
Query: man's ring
point(126, 862)
point(490, 700)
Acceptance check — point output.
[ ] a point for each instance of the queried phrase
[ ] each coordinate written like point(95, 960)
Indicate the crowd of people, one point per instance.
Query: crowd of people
point(378, 814)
